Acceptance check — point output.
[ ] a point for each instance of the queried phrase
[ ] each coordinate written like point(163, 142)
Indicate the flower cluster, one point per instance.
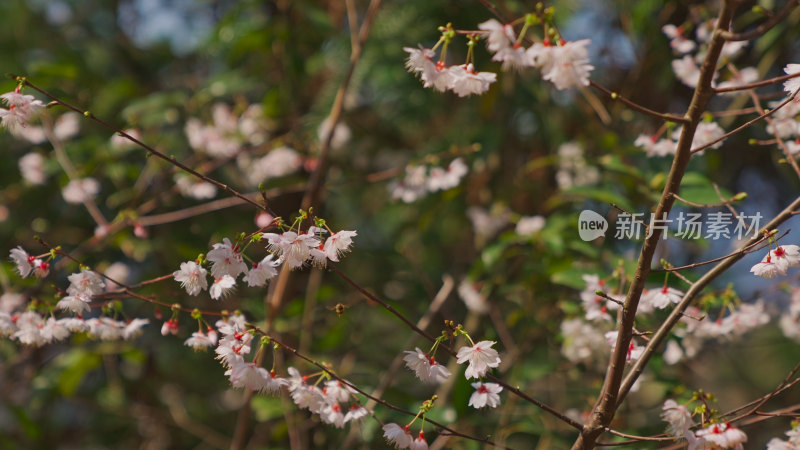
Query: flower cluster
point(462, 79)
point(425, 367)
point(715, 435)
point(421, 180)
point(738, 322)
point(290, 247)
point(27, 264)
point(687, 68)
point(793, 443)
point(565, 64)
point(777, 261)
point(706, 133)
point(21, 109)
point(573, 170)
point(329, 402)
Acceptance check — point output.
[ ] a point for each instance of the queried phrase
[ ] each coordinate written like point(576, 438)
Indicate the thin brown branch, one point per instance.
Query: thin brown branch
point(739, 252)
point(757, 84)
point(637, 107)
point(735, 198)
point(214, 205)
point(764, 115)
point(764, 27)
point(786, 153)
point(141, 144)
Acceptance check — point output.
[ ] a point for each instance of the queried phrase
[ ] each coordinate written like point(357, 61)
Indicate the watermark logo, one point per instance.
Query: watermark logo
point(712, 226)
point(591, 225)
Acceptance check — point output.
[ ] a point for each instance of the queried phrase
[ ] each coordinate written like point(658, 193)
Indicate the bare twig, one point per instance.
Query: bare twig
point(764, 27)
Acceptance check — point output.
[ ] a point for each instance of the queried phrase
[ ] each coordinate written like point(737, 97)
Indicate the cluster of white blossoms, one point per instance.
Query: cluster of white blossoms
point(421, 180)
point(777, 261)
point(716, 435)
point(31, 328)
point(233, 351)
point(793, 443)
point(21, 109)
point(785, 124)
point(65, 127)
point(698, 330)
point(687, 68)
point(226, 135)
point(573, 170)
point(582, 337)
point(192, 187)
point(290, 248)
point(400, 437)
point(706, 133)
point(27, 264)
point(330, 401)
point(565, 64)
point(462, 79)
point(479, 357)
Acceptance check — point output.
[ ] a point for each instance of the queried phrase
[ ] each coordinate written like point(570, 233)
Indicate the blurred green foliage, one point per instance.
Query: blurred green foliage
point(289, 57)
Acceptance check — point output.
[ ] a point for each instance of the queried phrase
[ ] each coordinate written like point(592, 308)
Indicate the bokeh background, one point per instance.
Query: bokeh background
point(154, 64)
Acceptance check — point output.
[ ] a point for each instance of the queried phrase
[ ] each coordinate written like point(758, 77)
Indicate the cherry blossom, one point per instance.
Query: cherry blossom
point(85, 282)
point(28, 331)
point(425, 367)
point(397, 435)
point(338, 244)
point(21, 108)
point(654, 146)
point(192, 277)
point(355, 413)
point(687, 71)
point(262, 271)
point(480, 357)
point(777, 261)
point(661, 298)
point(332, 414)
point(568, 65)
point(200, 341)
point(678, 42)
point(793, 443)
point(222, 286)
point(793, 84)
point(486, 394)
point(194, 188)
point(134, 328)
point(634, 350)
point(743, 76)
point(295, 249)
point(31, 166)
point(678, 417)
point(22, 260)
point(77, 303)
point(419, 443)
point(723, 435)
point(465, 81)
point(80, 190)
point(226, 260)
point(169, 327)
